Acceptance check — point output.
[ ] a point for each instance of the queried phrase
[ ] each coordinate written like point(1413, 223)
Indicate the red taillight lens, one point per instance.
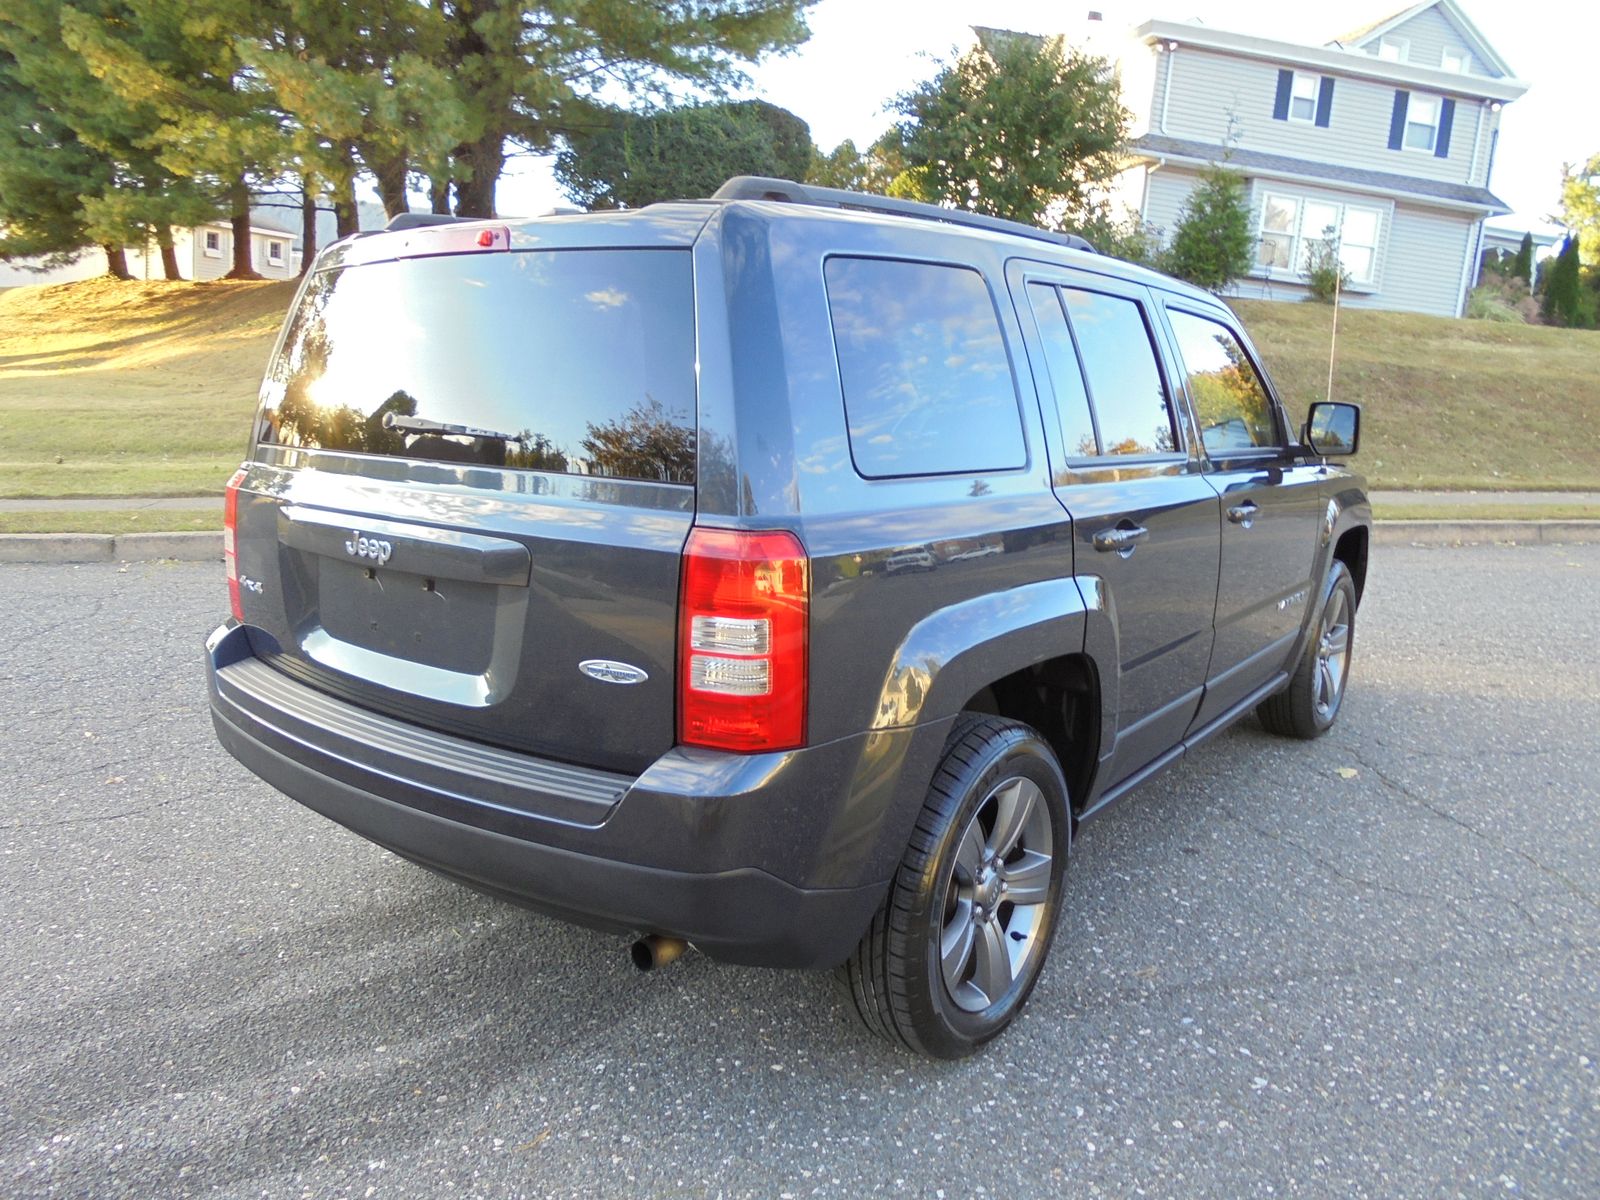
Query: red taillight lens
point(743, 617)
point(230, 525)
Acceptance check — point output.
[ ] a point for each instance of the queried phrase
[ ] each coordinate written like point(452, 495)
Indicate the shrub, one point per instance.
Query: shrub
point(1212, 243)
point(1325, 274)
point(1489, 303)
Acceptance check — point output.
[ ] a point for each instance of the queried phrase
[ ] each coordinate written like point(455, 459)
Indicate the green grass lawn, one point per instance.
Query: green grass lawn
point(130, 389)
point(146, 389)
point(1446, 404)
point(157, 521)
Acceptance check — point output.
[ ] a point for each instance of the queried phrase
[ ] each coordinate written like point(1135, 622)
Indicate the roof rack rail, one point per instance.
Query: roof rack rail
point(761, 187)
point(416, 220)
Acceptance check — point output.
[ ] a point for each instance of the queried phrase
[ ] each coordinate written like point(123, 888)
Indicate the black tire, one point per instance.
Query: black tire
point(896, 979)
point(1305, 709)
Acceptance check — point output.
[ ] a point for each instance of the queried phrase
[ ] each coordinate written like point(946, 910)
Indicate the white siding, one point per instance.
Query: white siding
point(1207, 86)
point(207, 266)
point(1428, 248)
point(1420, 254)
point(1430, 33)
point(90, 263)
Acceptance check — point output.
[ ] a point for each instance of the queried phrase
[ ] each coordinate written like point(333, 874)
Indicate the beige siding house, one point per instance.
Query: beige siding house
point(1381, 142)
point(204, 252)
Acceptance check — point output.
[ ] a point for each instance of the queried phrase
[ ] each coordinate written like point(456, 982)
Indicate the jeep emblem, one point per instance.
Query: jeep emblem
point(361, 546)
point(607, 671)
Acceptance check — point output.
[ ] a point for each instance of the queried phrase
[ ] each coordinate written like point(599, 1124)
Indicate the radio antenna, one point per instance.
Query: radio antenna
point(1333, 342)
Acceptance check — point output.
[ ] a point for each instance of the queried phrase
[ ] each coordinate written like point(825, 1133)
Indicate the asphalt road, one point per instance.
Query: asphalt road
point(1360, 968)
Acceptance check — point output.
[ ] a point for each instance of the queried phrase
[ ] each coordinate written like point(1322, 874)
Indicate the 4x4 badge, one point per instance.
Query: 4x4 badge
point(608, 671)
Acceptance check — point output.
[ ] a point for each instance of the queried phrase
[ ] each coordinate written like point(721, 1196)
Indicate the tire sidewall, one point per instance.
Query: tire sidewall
point(1023, 753)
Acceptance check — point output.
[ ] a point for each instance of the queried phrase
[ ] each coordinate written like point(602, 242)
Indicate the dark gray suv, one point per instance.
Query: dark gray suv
point(787, 573)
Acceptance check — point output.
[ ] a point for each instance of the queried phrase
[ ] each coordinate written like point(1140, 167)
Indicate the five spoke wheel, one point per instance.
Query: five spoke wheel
point(999, 883)
point(1333, 654)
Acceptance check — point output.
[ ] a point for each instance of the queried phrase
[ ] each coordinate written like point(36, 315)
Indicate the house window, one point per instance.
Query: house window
point(213, 244)
point(1291, 227)
point(1394, 49)
point(275, 253)
point(1458, 61)
point(1303, 97)
point(1422, 123)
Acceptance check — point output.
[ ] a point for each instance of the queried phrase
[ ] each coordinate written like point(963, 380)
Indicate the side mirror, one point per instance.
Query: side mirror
point(1333, 430)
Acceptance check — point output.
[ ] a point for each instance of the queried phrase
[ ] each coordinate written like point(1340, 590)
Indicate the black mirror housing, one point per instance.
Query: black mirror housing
point(1333, 429)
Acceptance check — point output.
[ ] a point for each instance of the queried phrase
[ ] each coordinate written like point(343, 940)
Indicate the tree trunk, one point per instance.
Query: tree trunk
point(308, 222)
point(116, 262)
point(344, 195)
point(169, 253)
point(239, 199)
point(391, 175)
point(485, 158)
point(439, 194)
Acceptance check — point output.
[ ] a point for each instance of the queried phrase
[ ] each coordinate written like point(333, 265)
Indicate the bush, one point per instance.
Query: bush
point(1489, 303)
point(1212, 244)
point(1325, 274)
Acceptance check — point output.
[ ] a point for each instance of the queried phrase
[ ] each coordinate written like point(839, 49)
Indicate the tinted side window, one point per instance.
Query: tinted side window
point(1066, 375)
point(1232, 403)
point(927, 383)
point(1119, 360)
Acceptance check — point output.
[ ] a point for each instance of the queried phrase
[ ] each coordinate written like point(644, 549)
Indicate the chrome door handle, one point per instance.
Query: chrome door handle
point(1244, 514)
point(1119, 539)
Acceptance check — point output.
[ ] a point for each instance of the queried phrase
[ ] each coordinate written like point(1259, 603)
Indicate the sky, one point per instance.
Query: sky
point(864, 52)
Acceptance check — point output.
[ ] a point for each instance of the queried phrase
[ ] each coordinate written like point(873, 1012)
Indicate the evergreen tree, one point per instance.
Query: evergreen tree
point(1212, 244)
point(1522, 265)
point(679, 153)
point(1563, 294)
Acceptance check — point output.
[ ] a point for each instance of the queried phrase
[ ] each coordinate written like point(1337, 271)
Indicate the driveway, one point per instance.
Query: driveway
point(1364, 967)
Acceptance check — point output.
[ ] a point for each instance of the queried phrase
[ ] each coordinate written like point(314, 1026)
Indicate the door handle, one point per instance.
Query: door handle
point(1244, 514)
point(1120, 539)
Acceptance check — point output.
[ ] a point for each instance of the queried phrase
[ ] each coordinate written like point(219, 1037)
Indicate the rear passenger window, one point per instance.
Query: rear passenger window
point(1120, 364)
point(927, 382)
point(1229, 398)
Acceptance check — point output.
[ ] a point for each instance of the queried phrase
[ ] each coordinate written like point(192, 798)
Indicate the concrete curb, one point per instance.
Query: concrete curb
point(1473, 533)
point(206, 546)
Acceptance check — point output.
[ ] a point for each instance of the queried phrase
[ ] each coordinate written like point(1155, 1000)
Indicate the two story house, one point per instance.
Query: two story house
point(1381, 141)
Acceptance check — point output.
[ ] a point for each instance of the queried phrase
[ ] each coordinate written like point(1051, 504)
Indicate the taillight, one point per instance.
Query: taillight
point(230, 525)
point(743, 617)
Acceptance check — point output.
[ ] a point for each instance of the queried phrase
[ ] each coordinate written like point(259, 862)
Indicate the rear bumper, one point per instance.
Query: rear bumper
point(771, 860)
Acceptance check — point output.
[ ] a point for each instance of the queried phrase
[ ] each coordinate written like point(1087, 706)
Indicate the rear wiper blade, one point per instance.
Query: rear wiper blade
point(419, 425)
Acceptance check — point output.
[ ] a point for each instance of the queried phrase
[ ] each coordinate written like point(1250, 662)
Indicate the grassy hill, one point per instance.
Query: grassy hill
point(141, 389)
point(1446, 404)
point(130, 389)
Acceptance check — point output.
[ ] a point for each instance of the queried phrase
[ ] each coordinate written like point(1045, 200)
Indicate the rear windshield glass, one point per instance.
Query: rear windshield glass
point(579, 361)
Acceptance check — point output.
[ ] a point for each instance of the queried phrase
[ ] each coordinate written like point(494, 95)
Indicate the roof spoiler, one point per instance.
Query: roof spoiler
point(787, 191)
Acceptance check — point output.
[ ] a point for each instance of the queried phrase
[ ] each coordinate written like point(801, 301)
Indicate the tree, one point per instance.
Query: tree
point(636, 159)
point(1017, 127)
point(1580, 208)
point(529, 75)
point(1563, 295)
point(1211, 246)
point(1522, 264)
point(181, 65)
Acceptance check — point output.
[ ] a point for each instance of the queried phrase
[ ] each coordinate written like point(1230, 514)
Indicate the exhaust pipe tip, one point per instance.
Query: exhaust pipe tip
point(655, 950)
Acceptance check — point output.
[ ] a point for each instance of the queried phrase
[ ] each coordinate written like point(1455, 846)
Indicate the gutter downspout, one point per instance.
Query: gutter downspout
point(1477, 138)
point(1468, 265)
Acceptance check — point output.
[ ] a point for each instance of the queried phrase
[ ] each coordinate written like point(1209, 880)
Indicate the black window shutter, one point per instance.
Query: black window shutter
point(1325, 102)
point(1280, 106)
point(1397, 123)
point(1447, 118)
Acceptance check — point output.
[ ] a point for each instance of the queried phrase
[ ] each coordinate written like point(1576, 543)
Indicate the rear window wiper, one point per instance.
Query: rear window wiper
point(420, 425)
